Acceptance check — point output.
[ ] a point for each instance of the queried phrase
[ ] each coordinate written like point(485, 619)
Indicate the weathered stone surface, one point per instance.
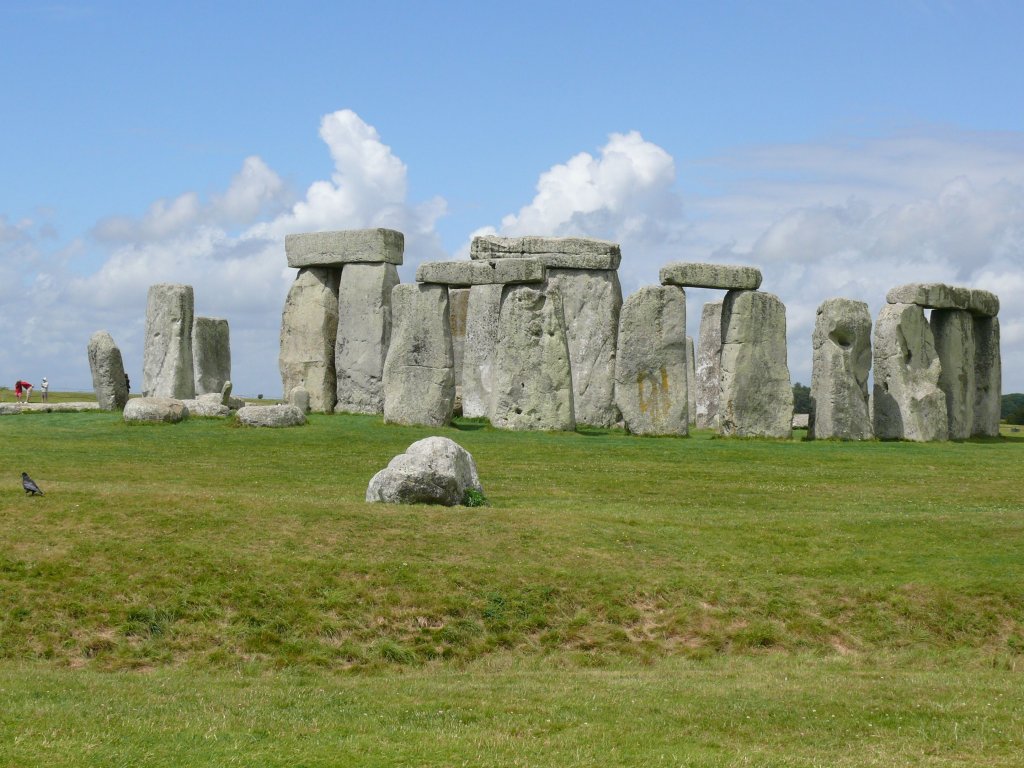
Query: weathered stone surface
point(419, 373)
point(364, 333)
point(167, 357)
point(458, 306)
point(691, 383)
point(709, 371)
point(591, 302)
point(283, 415)
point(801, 421)
point(139, 410)
point(208, 405)
point(299, 397)
point(468, 273)
point(839, 374)
point(724, 276)
point(107, 369)
point(532, 383)
point(953, 332)
point(942, 296)
point(984, 303)
point(10, 409)
point(434, 470)
point(211, 354)
point(988, 377)
point(906, 401)
point(480, 348)
point(350, 246)
point(757, 394)
point(309, 329)
point(651, 376)
point(556, 252)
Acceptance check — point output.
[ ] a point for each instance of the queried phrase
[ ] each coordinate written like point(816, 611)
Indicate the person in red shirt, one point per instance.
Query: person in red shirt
point(22, 387)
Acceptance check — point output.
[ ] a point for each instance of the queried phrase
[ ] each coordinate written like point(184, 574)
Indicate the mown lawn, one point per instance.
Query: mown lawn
point(205, 594)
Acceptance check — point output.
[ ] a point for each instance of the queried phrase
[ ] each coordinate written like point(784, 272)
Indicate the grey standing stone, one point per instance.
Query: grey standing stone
point(532, 375)
point(167, 356)
point(988, 377)
point(107, 369)
point(434, 470)
point(953, 332)
point(691, 383)
point(906, 402)
point(419, 373)
point(211, 354)
point(364, 333)
point(309, 328)
point(479, 351)
point(757, 394)
point(651, 377)
point(591, 302)
point(458, 306)
point(709, 370)
point(839, 374)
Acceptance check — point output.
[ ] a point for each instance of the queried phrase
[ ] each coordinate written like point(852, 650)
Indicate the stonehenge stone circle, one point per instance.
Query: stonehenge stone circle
point(840, 406)
point(988, 377)
point(709, 371)
point(651, 377)
point(695, 275)
point(953, 332)
point(283, 415)
point(419, 373)
point(363, 335)
point(309, 328)
point(167, 367)
point(155, 410)
point(691, 383)
point(434, 470)
point(906, 400)
point(479, 349)
point(107, 369)
point(353, 246)
point(757, 394)
point(211, 354)
point(469, 273)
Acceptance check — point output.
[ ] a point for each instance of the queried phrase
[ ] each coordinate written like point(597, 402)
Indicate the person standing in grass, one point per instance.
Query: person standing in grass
point(26, 388)
point(44, 389)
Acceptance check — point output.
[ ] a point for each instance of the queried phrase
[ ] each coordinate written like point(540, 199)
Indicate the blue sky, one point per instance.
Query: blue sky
point(842, 147)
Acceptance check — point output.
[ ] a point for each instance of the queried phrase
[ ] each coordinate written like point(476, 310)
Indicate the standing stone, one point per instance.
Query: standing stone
point(419, 374)
point(167, 368)
point(691, 384)
point(591, 302)
point(309, 327)
point(953, 331)
point(651, 377)
point(532, 375)
point(458, 307)
point(480, 346)
point(364, 333)
point(107, 369)
point(299, 397)
point(907, 402)
point(211, 354)
point(988, 377)
point(757, 394)
point(708, 365)
point(840, 406)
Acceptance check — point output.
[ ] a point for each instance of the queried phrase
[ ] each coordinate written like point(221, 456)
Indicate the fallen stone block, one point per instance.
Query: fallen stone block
point(434, 470)
point(350, 246)
point(155, 410)
point(490, 272)
point(697, 275)
point(283, 415)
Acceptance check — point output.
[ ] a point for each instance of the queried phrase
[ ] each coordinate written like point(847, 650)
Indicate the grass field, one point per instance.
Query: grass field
point(203, 594)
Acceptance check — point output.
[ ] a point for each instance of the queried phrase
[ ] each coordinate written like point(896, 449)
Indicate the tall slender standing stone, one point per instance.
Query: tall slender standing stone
point(691, 383)
point(953, 331)
point(479, 349)
point(211, 354)
point(364, 334)
point(907, 402)
point(988, 377)
point(309, 327)
point(458, 307)
point(757, 394)
point(167, 368)
point(840, 406)
point(107, 369)
point(708, 384)
point(419, 373)
point(651, 377)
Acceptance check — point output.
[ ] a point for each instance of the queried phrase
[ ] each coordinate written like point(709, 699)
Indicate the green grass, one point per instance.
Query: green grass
point(699, 601)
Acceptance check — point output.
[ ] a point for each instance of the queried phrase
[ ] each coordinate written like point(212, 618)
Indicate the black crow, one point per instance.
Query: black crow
point(30, 485)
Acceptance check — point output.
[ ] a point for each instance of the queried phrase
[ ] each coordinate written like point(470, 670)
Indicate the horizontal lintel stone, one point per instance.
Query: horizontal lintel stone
point(348, 246)
point(556, 252)
point(490, 272)
point(942, 296)
point(724, 276)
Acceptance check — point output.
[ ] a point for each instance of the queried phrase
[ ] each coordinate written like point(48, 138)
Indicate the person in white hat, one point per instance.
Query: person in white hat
point(44, 387)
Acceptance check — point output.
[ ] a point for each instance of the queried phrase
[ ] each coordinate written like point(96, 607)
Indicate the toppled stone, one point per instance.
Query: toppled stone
point(167, 369)
point(107, 369)
point(350, 246)
point(434, 470)
point(691, 383)
point(419, 373)
point(299, 397)
point(697, 275)
point(757, 394)
point(839, 372)
point(942, 296)
point(553, 252)
point(9, 409)
point(479, 350)
point(211, 354)
point(208, 405)
point(490, 272)
point(953, 332)
point(309, 328)
point(651, 377)
point(906, 400)
point(364, 334)
point(283, 415)
point(988, 378)
point(708, 365)
point(155, 410)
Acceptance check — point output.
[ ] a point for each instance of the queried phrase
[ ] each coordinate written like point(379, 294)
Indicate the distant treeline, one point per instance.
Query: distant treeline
point(1013, 406)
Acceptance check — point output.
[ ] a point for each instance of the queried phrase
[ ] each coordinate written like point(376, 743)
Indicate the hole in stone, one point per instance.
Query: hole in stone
point(519, 411)
point(842, 337)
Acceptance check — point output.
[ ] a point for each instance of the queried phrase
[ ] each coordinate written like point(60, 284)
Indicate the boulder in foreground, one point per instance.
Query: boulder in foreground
point(434, 470)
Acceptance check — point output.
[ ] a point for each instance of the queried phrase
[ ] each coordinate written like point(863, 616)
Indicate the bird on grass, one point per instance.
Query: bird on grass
point(30, 485)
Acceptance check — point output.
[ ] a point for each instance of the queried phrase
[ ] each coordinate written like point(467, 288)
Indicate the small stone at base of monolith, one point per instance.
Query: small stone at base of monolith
point(434, 470)
point(299, 397)
point(282, 415)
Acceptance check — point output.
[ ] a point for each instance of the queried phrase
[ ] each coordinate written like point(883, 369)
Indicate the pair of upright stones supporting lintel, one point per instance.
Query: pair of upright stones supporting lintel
point(741, 359)
point(336, 323)
point(937, 379)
